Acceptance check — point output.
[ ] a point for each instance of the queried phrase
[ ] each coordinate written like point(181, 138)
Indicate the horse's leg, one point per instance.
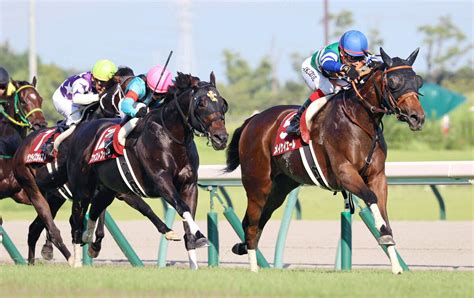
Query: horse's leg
point(189, 195)
point(281, 187)
point(258, 190)
point(79, 208)
point(96, 246)
point(99, 203)
point(55, 201)
point(351, 181)
point(378, 184)
point(44, 213)
point(21, 197)
point(139, 204)
point(165, 186)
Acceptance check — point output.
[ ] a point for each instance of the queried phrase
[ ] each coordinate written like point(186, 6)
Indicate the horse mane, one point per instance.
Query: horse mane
point(21, 83)
point(182, 82)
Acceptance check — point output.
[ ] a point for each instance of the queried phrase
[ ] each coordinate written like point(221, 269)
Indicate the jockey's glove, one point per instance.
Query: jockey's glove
point(141, 112)
point(350, 71)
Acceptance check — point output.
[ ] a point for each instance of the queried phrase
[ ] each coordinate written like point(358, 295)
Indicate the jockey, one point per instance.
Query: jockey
point(139, 93)
point(78, 91)
point(330, 68)
point(6, 87)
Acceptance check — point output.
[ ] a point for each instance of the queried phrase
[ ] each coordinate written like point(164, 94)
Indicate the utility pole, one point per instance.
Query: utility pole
point(186, 50)
point(32, 60)
point(326, 22)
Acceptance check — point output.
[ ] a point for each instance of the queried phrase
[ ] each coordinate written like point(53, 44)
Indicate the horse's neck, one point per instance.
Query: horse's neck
point(7, 125)
point(12, 134)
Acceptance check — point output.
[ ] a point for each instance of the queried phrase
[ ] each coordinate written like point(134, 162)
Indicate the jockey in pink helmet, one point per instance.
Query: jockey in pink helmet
point(143, 89)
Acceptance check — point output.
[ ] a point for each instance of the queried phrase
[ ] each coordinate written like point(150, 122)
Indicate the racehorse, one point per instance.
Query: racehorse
point(40, 182)
point(162, 157)
point(347, 139)
point(21, 111)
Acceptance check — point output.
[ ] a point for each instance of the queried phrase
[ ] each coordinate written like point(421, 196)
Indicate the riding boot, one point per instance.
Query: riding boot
point(294, 127)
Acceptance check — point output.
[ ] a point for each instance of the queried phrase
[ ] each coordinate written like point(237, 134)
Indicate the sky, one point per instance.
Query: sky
point(74, 34)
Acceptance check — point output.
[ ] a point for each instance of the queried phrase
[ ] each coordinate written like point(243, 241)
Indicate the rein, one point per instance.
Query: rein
point(19, 111)
point(200, 131)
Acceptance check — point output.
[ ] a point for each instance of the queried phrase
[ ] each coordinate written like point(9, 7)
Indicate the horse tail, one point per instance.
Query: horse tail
point(233, 160)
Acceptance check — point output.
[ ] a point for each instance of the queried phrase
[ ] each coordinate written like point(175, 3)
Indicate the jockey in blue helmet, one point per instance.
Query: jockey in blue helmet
point(330, 68)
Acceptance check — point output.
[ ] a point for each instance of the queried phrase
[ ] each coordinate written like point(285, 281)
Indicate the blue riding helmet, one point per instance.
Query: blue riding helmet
point(354, 43)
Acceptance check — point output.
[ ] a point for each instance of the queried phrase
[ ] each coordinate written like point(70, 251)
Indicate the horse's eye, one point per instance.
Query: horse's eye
point(201, 103)
point(419, 81)
point(395, 82)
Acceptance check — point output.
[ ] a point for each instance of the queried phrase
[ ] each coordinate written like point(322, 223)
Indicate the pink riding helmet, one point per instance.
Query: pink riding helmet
point(153, 76)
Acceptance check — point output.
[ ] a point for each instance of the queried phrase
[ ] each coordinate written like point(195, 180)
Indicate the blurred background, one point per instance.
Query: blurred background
point(256, 49)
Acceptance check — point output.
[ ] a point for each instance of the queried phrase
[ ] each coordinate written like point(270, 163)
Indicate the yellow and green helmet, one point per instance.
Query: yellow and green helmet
point(104, 70)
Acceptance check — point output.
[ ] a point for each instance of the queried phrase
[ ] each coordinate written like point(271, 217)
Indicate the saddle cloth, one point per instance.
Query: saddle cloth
point(107, 145)
point(36, 154)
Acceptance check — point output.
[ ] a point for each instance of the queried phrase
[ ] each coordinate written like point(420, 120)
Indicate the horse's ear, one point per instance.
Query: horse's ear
point(386, 58)
point(33, 82)
point(213, 79)
point(411, 59)
point(15, 83)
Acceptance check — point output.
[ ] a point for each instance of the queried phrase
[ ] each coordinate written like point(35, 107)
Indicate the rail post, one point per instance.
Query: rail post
point(11, 248)
point(170, 215)
point(284, 226)
point(212, 231)
point(122, 241)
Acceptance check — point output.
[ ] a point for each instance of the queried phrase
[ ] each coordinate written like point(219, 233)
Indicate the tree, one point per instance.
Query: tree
point(341, 22)
point(444, 46)
point(375, 40)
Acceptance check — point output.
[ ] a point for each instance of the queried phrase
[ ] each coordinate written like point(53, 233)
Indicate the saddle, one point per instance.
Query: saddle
point(286, 143)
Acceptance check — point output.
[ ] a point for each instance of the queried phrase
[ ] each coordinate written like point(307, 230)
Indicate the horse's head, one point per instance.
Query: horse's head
point(206, 108)
point(400, 85)
point(26, 105)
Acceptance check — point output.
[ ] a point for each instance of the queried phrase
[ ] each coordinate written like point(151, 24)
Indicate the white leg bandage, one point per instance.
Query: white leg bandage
point(191, 223)
point(392, 254)
point(77, 255)
point(379, 222)
point(193, 264)
point(253, 260)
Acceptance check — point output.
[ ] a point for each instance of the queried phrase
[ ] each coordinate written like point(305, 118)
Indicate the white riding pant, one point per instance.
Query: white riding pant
point(316, 80)
point(66, 108)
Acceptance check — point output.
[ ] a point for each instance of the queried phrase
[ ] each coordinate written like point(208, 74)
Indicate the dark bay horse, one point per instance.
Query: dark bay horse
point(161, 153)
point(344, 135)
point(41, 183)
point(21, 111)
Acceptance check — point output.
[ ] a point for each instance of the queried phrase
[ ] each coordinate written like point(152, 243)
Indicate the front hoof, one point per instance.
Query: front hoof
point(386, 240)
point(201, 240)
point(47, 252)
point(71, 261)
point(397, 271)
point(92, 252)
point(172, 236)
point(240, 249)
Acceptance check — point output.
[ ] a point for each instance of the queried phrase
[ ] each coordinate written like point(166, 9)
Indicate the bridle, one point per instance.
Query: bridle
point(191, 120)
point(390, 105)
point(18, 110)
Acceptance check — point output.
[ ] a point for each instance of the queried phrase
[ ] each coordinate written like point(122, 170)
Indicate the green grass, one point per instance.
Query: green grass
point(59, 280)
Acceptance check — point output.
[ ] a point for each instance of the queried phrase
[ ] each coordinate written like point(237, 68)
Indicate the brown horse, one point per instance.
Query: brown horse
point(22, 110)
point(347, 141)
